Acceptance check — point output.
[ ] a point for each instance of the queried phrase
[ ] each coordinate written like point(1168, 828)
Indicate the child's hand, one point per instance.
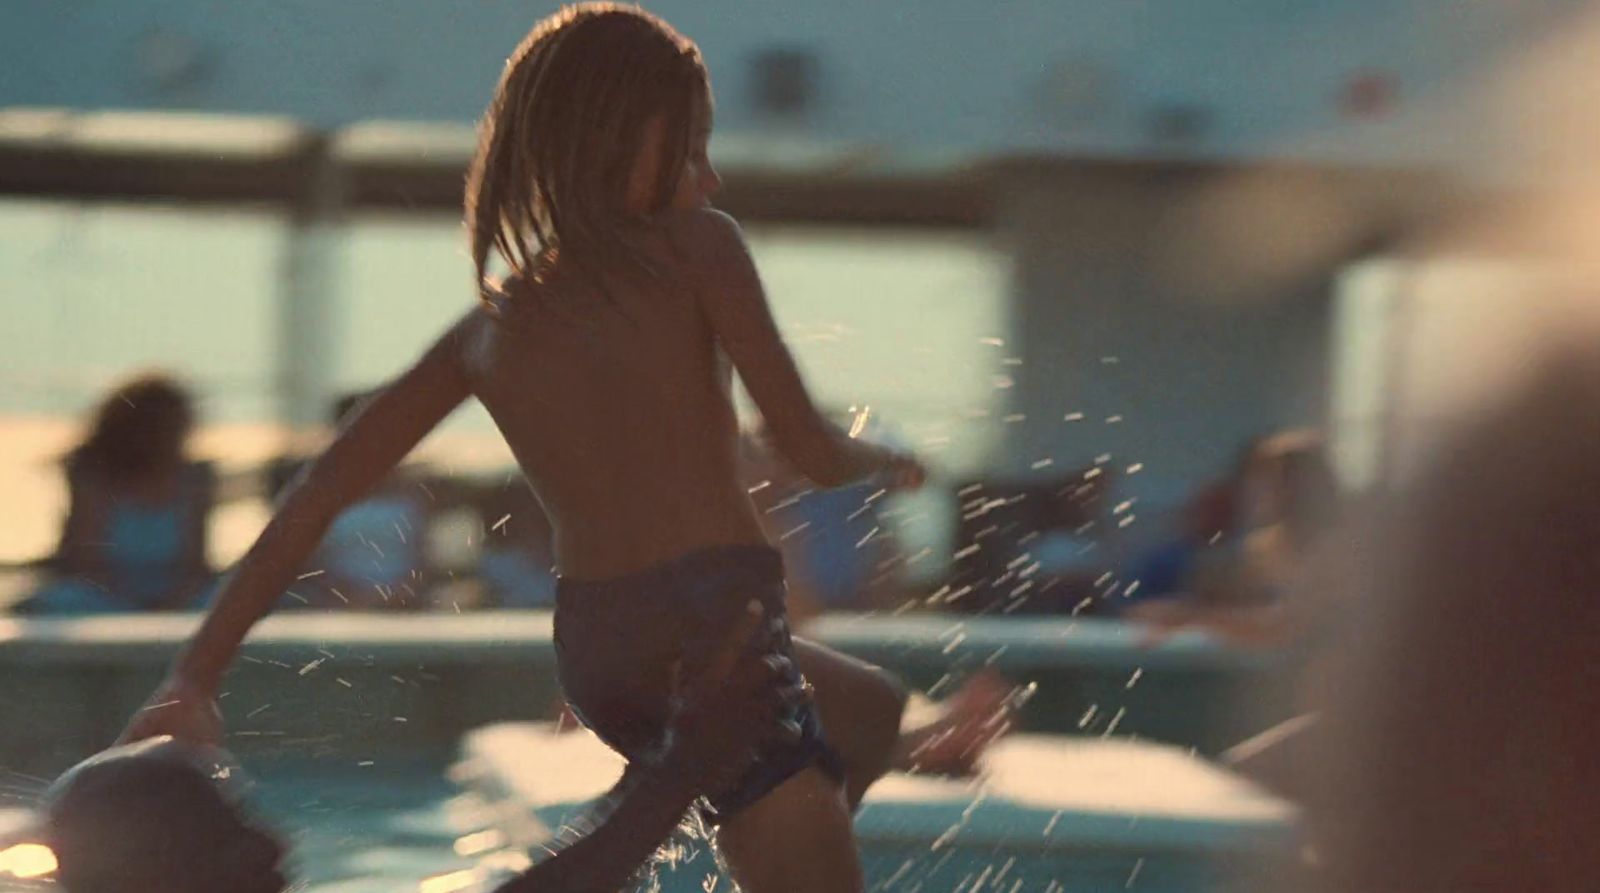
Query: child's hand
point(904, 472)
point(179, 709)
point(732, 710)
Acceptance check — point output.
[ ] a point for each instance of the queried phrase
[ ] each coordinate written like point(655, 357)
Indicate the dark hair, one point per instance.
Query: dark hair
point(559, 140)
point(157, 815)
point(138, 428)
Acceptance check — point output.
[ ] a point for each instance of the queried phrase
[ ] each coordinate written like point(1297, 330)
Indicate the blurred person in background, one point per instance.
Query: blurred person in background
point(372, 556)
point(1279, 592)
point(516, 565)
point(1030, 546)
point(838, 553)
point(1206, 538)
point(1457, 745)
point(1285, 501)
point(135, 534)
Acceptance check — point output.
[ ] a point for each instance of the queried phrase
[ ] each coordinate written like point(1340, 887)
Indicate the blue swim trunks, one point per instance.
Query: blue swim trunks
point(618, 640)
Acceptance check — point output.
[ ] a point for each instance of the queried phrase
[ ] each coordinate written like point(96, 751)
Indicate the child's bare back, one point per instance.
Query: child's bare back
point(618, 405)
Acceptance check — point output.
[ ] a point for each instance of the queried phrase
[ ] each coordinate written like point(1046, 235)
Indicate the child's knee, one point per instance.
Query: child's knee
point(891, 696)
point(896, 692)
point(861, 707)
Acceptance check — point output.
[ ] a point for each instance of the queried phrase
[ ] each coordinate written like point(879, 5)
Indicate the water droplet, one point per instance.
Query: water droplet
point(945, 838)
point(1116, 720)
point(803, 525)
point(1088, 716)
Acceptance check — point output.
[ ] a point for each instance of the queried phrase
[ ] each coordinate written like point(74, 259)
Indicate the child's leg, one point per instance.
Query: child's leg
point(860, 706)
point(863, 707)
point(796, 839)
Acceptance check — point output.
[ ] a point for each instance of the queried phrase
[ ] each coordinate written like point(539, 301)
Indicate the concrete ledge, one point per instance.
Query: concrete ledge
point(1093, 676)
point(490, 636)
point(367, 684)
point(1026, 643)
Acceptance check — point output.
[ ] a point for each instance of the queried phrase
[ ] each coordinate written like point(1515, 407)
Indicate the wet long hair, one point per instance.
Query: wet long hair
point(138, 428)
point(558, 143)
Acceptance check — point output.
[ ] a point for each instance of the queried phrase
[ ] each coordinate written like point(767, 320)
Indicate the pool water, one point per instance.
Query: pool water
point(355, 828)
point(406, 828)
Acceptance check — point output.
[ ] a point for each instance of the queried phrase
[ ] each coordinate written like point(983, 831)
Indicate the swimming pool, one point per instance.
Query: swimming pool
point(355, 827)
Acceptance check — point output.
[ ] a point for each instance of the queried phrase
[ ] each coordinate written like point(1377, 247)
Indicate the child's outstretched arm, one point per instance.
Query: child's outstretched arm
point(730, 290)
point(365, 451)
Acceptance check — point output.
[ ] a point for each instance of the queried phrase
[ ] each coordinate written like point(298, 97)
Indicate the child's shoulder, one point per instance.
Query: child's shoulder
point(701, 233)
point(711, 247)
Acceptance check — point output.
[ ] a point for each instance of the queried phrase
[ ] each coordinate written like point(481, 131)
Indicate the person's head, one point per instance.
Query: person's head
point(157, 816)
point(1288, 481)
point(138, 429)
point(1211, 512)
point(601, 117)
